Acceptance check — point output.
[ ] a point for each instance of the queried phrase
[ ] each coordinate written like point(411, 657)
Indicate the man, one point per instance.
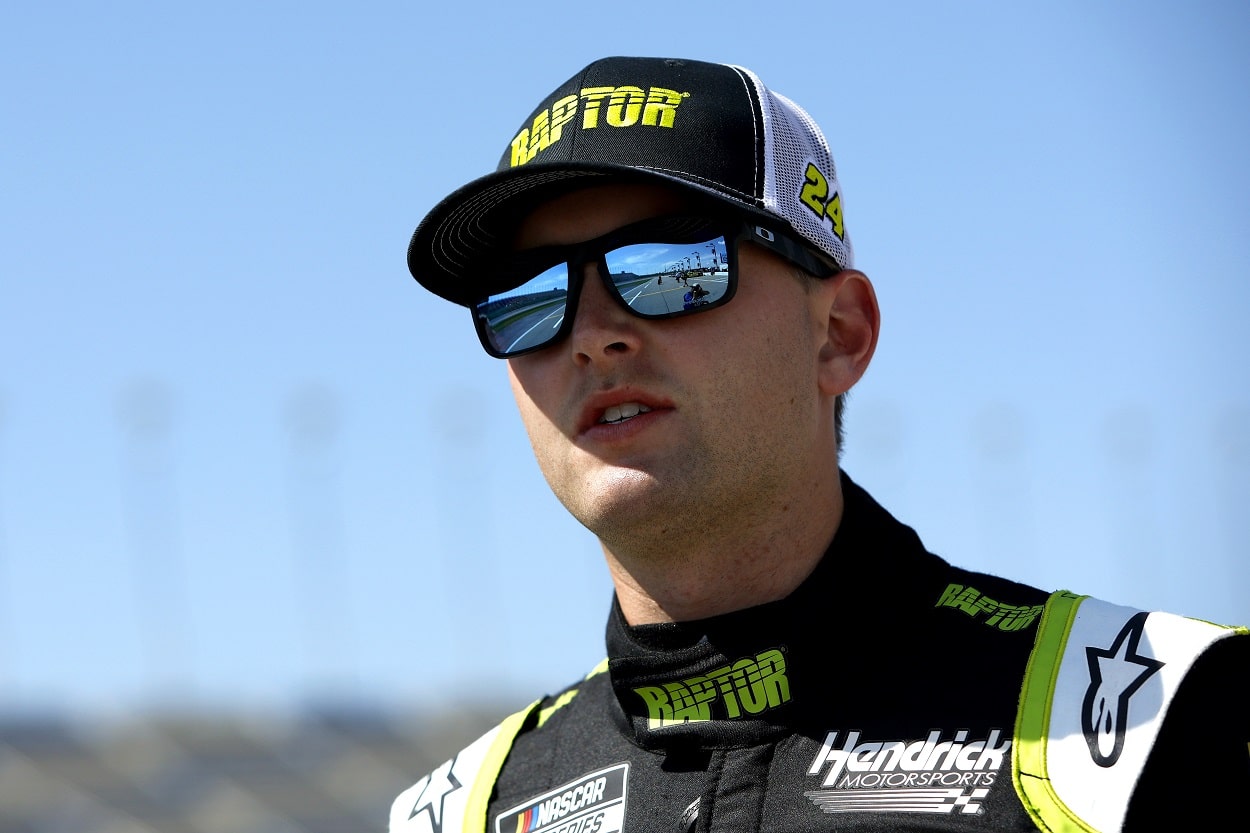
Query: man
point(788, 657)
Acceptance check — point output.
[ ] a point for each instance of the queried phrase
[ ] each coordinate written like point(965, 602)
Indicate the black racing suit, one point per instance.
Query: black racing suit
point(881, 695)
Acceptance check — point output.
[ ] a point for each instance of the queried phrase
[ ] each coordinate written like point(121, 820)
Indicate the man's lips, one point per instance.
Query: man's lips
point(616, 408)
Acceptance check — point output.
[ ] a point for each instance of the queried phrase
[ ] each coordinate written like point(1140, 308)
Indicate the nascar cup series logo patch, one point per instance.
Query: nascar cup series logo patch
point(593, 803)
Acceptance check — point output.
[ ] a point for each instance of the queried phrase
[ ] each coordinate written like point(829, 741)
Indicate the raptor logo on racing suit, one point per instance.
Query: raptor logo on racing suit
point(1005, 617)
point(751, 685)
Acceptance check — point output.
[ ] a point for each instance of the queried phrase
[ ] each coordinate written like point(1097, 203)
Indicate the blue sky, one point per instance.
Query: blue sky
point(246, 462)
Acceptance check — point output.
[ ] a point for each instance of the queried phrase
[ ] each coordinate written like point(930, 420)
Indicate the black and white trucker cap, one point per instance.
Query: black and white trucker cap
point(712, 129)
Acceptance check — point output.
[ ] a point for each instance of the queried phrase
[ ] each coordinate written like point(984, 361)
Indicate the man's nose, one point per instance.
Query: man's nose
point(602, 328)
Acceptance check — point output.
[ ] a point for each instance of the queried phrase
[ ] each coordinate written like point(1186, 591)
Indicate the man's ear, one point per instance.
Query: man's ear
point(849, 303)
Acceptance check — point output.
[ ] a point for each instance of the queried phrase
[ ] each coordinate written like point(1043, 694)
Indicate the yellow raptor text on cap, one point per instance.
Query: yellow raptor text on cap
point(618, 106)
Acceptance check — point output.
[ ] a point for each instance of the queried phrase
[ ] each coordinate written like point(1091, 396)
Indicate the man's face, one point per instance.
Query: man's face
point(655, 428)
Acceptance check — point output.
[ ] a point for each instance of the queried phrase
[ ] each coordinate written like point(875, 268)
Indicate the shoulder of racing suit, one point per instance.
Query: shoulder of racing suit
point(1096, 691)
point(454, 797)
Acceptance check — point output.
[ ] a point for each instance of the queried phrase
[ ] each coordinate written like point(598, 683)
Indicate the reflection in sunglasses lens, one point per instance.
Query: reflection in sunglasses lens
point(664, 279)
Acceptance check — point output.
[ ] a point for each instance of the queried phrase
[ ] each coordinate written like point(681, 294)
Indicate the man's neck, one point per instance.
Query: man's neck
point(726, 568)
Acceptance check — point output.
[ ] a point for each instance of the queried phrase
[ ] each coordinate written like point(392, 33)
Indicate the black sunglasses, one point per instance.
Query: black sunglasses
point(663, 267)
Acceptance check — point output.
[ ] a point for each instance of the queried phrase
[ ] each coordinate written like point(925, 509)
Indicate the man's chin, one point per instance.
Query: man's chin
point(620, 496)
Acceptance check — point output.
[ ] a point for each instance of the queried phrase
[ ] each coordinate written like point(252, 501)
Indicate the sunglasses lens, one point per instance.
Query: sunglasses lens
point(526, 317)
point(660, 280)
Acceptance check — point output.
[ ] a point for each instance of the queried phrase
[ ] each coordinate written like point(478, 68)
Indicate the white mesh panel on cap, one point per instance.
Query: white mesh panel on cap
point(792, 140)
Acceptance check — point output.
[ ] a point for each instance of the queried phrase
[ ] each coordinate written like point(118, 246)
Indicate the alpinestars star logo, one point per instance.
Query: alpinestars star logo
point(438, 785)
point(1115, 674)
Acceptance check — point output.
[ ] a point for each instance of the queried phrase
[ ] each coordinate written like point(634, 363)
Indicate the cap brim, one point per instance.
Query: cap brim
point(451, 249)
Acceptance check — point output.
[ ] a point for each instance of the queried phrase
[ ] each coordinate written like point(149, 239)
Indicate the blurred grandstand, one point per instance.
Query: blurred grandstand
point(320, 772)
